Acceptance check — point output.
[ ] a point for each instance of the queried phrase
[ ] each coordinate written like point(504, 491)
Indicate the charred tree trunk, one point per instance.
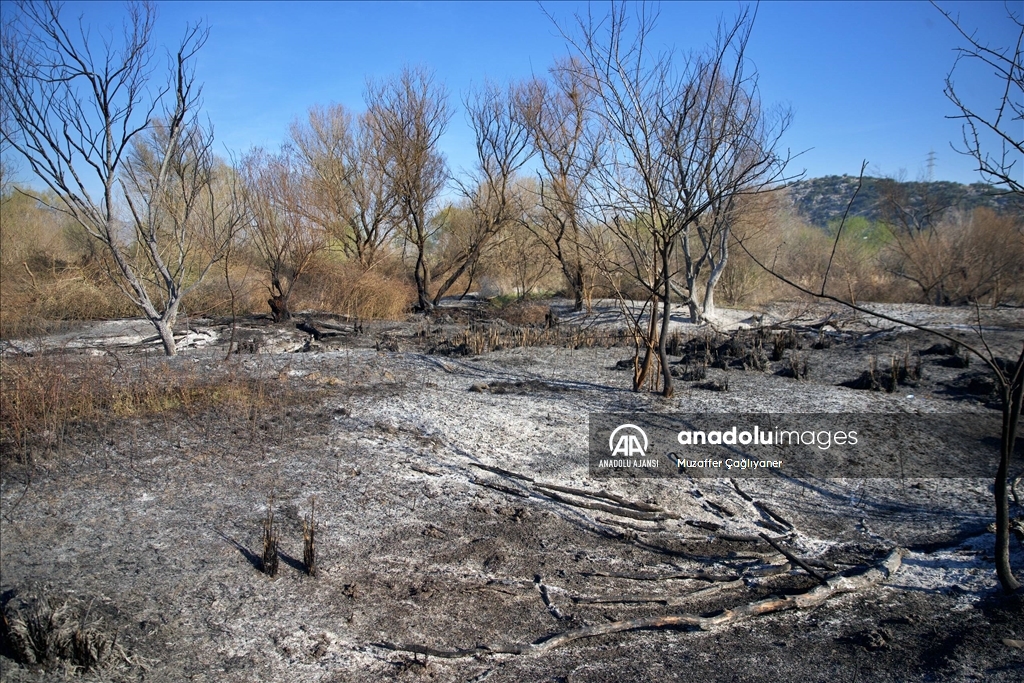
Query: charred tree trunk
point(1012, 394)
point(279, 308)
point(279, 297)
point(421, 273)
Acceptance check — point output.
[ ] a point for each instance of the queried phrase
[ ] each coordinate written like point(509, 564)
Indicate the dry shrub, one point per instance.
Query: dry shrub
point(213, 295)
point(525, 313)
point(41, 397)
point(760, 229)
point(802, 253)
point(345, 288)
point(33, 301)
point(49, 271)
point(976, 257)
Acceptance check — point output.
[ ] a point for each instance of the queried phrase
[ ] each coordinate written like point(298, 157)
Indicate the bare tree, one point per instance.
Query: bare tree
point(519, 250)
point(502, 147)
point(919, 254)
point(280, 230)
point(1002, 126)
point(80, 113)
point(1005, 169)
point(349, 196)
point(408, 114)
point(723, 144)
point(1009, 375)
point(684, 142)
point(567, 142)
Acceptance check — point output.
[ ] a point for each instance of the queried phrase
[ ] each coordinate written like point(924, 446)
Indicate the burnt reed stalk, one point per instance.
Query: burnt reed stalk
point(269, 560)
point(309, 539)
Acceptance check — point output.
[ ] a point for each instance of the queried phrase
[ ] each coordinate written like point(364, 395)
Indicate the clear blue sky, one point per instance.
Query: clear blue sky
point(864, 79)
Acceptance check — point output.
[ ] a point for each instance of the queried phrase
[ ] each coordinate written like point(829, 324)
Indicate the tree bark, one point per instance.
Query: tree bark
point(1012, 394)
point(164, 329)
point(279, 308)
point(666, 318)
point(640, 372)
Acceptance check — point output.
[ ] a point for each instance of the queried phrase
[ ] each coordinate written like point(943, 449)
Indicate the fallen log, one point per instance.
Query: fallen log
point(309, 328)
point(743, 494)
point(641, 576)
point(630, 525)
point(721, 508)
point(763, 507)
point(738, 538)
point(662, 599)
point(500, 487)
point(502, 472)
point(816, 596)
point(793, 558)
point(619, 500)
point(611, 509)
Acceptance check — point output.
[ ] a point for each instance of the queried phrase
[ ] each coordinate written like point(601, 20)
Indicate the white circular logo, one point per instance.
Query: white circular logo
point(628, 444)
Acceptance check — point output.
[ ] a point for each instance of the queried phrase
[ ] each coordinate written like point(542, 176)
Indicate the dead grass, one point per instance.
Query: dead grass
point(484, 338)
point(213, 295)
point(36, 302)
point(55, 636)
point(41, 397)
point(381, 293)
point(526, 313)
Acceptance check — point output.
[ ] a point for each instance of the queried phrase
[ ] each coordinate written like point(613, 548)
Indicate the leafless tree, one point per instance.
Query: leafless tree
point(684, 140)
point(1001, 125)
point(723, 144)
point(502, 147)
point(350, 197)
point(1004, 127)
point(95, 129)
point(1009, 376)
point(280, 229)
point(567, 143)
point(408, 114)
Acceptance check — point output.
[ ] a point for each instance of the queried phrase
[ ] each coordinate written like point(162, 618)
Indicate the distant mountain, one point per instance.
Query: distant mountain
point(820, 200)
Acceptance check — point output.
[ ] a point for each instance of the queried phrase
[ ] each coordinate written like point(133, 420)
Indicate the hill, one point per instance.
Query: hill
point(820, 200)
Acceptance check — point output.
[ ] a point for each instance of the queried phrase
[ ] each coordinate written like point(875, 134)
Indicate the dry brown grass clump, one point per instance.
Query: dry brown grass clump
point(526, 313)
point(36, 301)
point(41, 397)
point(381, 293)
point(213, 295)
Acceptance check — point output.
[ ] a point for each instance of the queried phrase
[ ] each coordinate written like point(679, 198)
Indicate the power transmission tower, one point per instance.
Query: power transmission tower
point(931, 165)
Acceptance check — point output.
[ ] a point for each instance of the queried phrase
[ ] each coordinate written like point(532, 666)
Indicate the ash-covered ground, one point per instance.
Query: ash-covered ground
point(410, 436)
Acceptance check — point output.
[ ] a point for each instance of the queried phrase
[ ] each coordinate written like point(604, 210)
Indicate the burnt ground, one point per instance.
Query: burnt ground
point(150, 529)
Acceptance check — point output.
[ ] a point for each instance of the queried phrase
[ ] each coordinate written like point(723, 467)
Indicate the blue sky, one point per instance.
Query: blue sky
point(864, 79)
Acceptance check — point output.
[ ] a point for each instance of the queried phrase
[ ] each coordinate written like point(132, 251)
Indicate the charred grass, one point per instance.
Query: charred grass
point(44, 397)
